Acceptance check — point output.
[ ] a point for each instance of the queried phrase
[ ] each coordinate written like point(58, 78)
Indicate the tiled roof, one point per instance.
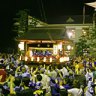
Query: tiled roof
point(44, 34)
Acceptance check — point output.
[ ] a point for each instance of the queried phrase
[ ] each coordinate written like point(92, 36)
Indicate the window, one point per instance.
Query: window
point(71, 33)
point(85, 31)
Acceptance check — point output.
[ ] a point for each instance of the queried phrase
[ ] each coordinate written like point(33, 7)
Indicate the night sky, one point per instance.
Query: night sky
point(42, 9)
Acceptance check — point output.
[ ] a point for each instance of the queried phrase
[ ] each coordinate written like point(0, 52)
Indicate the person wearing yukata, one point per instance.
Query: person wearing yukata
point(89, 89)
point(77, 68)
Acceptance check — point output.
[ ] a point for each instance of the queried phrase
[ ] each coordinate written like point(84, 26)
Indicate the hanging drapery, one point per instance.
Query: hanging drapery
point(92, 4)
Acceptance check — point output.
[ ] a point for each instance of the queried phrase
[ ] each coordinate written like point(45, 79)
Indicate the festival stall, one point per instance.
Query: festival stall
point(45, 45)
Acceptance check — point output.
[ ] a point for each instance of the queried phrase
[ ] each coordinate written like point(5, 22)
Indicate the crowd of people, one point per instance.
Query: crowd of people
point(74, 78)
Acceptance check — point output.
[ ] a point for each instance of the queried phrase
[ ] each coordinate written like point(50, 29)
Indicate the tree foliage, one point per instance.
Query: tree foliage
point(92, 41)
point(21, 22)
point(81, 46)
point(87, 43)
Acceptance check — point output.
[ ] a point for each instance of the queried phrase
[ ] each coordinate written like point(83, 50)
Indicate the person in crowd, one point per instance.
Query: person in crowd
point(53, 73)
point(26, 90)
point(38, 86)
point(55, 90)
point(3, 73)
point(75, 91)
point(45, 80)
point(89, 90)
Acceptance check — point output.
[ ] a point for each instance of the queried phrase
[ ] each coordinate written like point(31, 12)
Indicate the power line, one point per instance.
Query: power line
point(42, 6)
point(40, 9)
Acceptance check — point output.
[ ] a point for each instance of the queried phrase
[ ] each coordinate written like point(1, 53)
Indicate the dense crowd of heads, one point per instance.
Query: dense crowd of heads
point(17, 77)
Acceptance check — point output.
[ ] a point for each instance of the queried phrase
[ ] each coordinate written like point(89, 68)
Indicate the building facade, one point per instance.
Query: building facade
point(54, 38)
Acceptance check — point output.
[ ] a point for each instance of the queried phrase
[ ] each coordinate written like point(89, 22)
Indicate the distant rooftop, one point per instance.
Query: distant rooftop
point(72, 19)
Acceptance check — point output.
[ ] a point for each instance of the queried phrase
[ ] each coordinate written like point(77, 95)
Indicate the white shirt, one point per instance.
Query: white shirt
point(89, 89)
point(87, 93)
point(75, 91)
point(88, 75)
point(64, 71)
point(45, 81)
point(53, 74)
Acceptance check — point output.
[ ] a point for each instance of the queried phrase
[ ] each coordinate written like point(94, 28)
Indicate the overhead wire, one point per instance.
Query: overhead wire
point(42, 6)
point(42, 11)
point(41, 14)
